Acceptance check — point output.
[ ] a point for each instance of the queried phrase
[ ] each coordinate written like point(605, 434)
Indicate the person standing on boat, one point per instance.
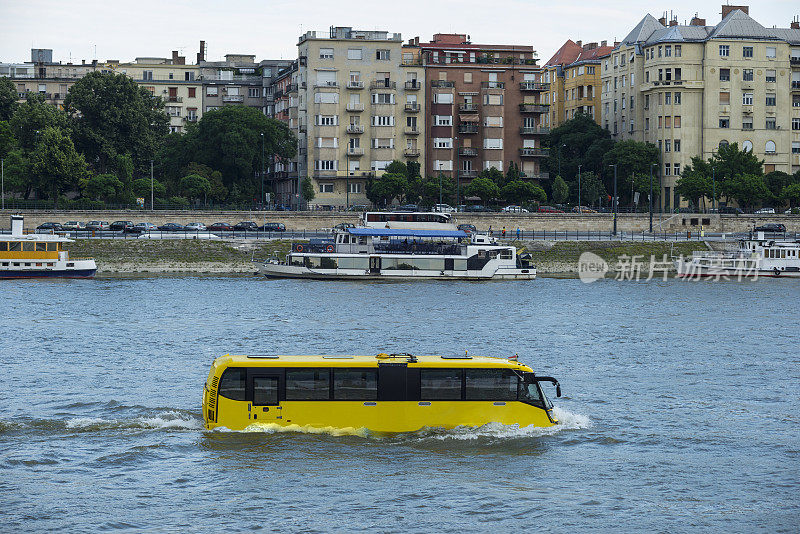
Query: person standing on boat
point(490, 230)
point(504, 232)
point(517, 233)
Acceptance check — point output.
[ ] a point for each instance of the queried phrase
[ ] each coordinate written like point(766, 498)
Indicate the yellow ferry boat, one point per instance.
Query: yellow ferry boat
point(39, 255)
point(383, 393)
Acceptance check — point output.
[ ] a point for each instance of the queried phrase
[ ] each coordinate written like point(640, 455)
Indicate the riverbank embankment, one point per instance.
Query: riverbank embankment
point(237, 255)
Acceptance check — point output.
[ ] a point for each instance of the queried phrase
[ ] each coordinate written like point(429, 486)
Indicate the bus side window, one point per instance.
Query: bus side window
point(491, 384)
point(232, 384)
point(440, 384)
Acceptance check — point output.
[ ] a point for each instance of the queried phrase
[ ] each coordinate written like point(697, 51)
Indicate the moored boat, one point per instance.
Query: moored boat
point(39, 255)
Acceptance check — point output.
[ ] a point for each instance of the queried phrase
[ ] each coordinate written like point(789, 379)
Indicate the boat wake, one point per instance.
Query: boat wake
point(145, 419)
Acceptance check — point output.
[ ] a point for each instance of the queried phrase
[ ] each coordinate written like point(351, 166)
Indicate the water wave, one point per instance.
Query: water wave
point(152, 420)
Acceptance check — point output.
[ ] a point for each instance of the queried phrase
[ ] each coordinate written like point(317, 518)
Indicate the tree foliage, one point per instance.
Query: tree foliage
point(749, 190)
point(522, 192)
point(560, 190)
point(32, 117)
point(484, 188)
point(382, 191)
point(8, 98)
point(56, 165)
point(307, 189)
point(586, 143)
point(592, 188)
point(105, 187)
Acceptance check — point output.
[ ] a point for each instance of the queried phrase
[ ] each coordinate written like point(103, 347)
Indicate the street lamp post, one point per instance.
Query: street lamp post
point(580, 210)
point(651, 196)
point(614, 200)
point(262, 167)
point(152, 207)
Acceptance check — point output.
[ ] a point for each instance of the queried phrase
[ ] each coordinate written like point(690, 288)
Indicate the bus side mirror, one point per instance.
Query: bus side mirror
point(558, 389)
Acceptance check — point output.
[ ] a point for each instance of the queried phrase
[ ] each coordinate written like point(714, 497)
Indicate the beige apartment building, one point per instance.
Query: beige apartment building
point(359, 107)
point(691, 88)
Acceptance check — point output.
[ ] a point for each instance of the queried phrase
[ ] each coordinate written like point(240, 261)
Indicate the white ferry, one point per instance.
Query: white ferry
point(39, 255)
point(398, 246)
point(755, 257)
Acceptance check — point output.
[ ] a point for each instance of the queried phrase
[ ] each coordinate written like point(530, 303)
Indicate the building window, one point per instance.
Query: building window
point(254, 92)
point(747, 51)
point(770, 75)
point(724, 98)
point(493, 143)
point(443, 120)
point(667, 99)
point(795, 147)
point(771, 123)
point(354, 53)
point(676, 98)
point(676, 145)
point(747, 146)
point(724, 50)
point(724, 122)
point(724, 75)
point(382, 54)
point(443, 142)
point(326, 53)
point(747, 123)
point(647, 123)
point(667, 145)
point(443, 98)
point(212, 91)
point(383, 142)
point(747, 99)
point(192, 92)
point(771, 52)
point(326, 187)
point(355, 188)
point(747, 75)
point(676, 121)
point(668, 51)
point(677, 50)
point(677, 169)
point(667, 169)
point(147, 75)
point(770, 99)
point(326, 165)
point(769, 148)
point(383, 120)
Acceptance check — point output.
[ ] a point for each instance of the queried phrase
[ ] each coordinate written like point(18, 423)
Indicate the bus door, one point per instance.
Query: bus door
point(264, 391)
point(374, 264)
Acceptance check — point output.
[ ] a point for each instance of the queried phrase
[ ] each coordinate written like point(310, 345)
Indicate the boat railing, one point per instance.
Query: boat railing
point(448, 249)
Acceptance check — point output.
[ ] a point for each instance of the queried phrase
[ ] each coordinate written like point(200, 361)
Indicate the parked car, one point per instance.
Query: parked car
point(358, 207)
point(475, 208)
point(549, 209)
point(583, 209)
point(171, 227)
point(273, 227)
point(54, 226)
point(143, 227)
point(443, 208)
point(514, 209)
point(408, 207)
point(97, 225)
point(246, 226)
point(468, 228)
point(195, 227)
point(74, 226)
point(771, 227)
point(764, 211)
point(731, 210)
point(121, 225)
point(220, 227)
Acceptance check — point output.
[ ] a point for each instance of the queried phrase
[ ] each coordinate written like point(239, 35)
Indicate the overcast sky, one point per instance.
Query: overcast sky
point(269, 29)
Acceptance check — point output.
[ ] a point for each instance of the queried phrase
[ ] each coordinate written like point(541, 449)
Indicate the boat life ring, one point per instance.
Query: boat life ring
point(776, 271)
point(329, 248)
point(298, 248)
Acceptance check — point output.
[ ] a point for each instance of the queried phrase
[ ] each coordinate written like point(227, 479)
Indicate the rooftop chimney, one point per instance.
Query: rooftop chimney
point(795, 25)
point(696, 21)
point(663, 21)
point(603, 43)
point(590, 46)
point(579, 43)
point(728, 9)
point(201, 56)
point(673, 22)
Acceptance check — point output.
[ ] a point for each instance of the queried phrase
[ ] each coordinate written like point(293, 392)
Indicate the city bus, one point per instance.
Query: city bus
point(383, 393)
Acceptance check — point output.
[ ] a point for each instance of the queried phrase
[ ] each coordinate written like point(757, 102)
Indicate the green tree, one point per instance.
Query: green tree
point(586, 143)
point(748, 190)
point(560, 190)
point(17, 177)
point(429, 190)
point(397, 167)
point(55, 164)
point(8, 98)
point(412, 169)
point(32, 117)
point(382, 191)
point(512, 174)
point(7, 140)
point(105, 187)
point(632, 158)
point(729, 162)
point(776, 182)
point(141, 188)
point(111, 116)
point(522, 192)
point(493, 174)
point(694, 185)
point(194, 186)
point(484, 188)
point(592, 188)
point(791, 193)
point(307, 189)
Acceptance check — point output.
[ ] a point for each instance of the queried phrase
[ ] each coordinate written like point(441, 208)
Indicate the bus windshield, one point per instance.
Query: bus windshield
point(532, 393)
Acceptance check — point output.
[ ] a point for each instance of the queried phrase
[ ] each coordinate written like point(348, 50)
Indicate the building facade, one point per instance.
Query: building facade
point(691, 88)
point(486, 108)
point(358, 109)
point(574, 77)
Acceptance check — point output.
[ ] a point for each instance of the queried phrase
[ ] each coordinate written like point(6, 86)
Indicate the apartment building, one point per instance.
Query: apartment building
point(284, 178)
point(691, 88)
point(358, 110)
point(573, 74)
point(486, 107)
point(177, 83)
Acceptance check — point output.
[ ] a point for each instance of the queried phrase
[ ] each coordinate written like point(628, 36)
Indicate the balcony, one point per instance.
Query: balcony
point(794, 60)
point(468, 128)
point(412, 108)
point(442, 83)
point(233, 98)
point(174, 99)
point(533, 130)
point(462, 173)
point(355, 129)
point(355, 84)
point(382, 84)
point(291, 88)
point(534, 108)
point(354, 151)
point(411, 130)
point(539, 176)
point(493, 85)
point(411, 152)
point(191, 118)
point(413, 86)
point(534, 86)
point(354, 107)
point(331, 85)
point(534, 152)
point(467, 151)
point(468, 108)
point(795, 86)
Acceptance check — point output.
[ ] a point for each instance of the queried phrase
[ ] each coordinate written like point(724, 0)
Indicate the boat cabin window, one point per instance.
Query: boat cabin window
point(491, 384)
point(506, 254)
point(308, 384)
point(440, 384)
point(531, 392)
point(232, 384)
point(28, 246)
point(355, 384)
point(52, 247)
point(3, 246)
point(14, 246)
point(265, 390)
point(41, 247)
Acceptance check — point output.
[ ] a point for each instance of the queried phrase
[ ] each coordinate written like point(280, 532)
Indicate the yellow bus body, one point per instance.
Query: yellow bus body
point(373, 415)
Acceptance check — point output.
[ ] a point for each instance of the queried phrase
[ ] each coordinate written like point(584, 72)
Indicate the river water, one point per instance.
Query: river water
point(680, 409)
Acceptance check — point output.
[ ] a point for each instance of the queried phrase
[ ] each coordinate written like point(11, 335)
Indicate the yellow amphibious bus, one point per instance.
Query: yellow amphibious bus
point(383, 393)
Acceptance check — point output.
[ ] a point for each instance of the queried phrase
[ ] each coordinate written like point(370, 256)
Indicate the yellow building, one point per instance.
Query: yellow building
point(574, 77)
point(690, 89)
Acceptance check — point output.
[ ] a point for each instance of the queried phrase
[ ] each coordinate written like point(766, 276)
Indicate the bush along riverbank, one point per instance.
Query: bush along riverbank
point(236, 256)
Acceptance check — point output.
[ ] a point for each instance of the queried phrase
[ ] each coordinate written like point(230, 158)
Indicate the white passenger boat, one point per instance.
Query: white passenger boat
point(418, 247)
point(39, 255)
point(756, 256)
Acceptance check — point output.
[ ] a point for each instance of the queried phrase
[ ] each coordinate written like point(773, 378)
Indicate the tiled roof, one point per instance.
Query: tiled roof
point(739, 24)
point(594, 54)
point(643, 30)
point(565, 55)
